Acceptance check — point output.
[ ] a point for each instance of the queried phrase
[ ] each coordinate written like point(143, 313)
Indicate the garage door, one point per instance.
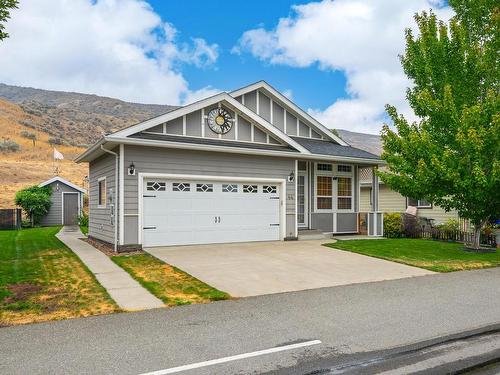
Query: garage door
point(183, 212)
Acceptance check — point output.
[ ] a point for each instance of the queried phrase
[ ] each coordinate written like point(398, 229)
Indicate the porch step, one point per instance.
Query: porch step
point(312, 234)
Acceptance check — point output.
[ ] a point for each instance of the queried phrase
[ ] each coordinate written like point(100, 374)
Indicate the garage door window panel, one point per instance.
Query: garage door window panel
point(181, 186)
point(250, 189)
point(155, 186)
point(229, 188)
point(269, 189)
point(205, 188)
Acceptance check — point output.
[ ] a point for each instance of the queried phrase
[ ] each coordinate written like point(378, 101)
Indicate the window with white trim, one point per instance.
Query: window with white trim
point(101, 198)
point(269, 189)
point(324, 167)
point(342, 168)
point(324, 192)
point(419, 203)
point(344, 193)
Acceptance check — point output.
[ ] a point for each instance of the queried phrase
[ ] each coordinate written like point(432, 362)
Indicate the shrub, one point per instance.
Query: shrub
point(393, 225)
point(29, 135)
point(451, 225)
point(9, 146)
point(55, 141)
point(35, 201)
point(83, 220)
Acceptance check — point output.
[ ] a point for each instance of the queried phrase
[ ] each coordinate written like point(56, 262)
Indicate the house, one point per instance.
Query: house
point(67, 202)
point(389, 200)
point(247, 165)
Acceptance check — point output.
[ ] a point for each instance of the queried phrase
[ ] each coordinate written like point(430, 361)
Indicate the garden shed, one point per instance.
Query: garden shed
point(67, 202)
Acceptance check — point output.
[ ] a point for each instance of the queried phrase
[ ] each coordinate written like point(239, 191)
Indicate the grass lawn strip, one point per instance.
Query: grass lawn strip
point(432, 255)
point(170, 284)
point(41, 279)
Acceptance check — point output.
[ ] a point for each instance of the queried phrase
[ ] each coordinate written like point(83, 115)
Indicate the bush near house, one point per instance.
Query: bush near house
point(35, 202)
point(393, 225)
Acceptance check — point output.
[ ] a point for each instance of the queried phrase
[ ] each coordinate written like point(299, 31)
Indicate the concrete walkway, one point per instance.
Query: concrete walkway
point(126, 292)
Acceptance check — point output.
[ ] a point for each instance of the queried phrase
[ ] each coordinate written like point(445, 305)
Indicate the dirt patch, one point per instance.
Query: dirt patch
point(21, 292)
point(107, 248)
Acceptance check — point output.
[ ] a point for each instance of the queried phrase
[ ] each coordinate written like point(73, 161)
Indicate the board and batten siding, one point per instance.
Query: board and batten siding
point(186, 162)
point(282, 118)
point(55, 216)
point(392, 201)
point(101, 223)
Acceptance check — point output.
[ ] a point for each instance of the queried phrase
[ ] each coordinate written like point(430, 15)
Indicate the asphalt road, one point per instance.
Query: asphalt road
point(346, 319)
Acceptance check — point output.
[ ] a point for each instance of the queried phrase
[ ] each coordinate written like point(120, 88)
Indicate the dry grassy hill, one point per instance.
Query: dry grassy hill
point(31, 164)
point(66, 120)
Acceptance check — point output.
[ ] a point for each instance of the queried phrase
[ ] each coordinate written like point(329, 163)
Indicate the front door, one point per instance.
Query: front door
point(302, 191)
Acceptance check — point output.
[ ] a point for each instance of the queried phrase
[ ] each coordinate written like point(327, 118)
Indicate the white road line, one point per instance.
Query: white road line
point(233, 358)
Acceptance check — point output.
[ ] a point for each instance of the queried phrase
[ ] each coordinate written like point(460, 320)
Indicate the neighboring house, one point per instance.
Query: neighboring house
point(67, 202)
point(389, 200)
point(248, 165)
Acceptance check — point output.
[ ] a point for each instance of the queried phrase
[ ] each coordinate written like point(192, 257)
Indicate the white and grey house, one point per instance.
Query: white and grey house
point(247, 165)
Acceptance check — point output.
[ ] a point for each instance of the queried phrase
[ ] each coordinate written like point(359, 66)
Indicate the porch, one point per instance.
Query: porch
point(327, 196)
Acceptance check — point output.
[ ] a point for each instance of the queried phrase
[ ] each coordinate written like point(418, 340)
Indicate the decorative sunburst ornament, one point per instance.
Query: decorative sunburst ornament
point(219, 120)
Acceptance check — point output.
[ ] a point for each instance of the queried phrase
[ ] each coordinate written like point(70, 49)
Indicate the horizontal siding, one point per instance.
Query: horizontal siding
point(171, 161)
point(392, 201)
point(54, 216)
point(101, 224)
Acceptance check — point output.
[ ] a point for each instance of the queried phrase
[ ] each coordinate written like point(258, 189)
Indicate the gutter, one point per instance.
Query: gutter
point(237, 150)
point(115, 243)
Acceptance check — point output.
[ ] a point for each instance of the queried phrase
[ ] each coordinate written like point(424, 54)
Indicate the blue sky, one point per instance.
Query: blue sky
point(338, 59)
point(224, 22)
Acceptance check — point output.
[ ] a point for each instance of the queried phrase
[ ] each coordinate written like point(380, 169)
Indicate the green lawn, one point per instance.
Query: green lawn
point(41, 279)
point(171, 285)
point(435, 256)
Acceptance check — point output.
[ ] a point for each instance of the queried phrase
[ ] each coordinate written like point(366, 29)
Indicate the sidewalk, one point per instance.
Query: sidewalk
point(126, 292)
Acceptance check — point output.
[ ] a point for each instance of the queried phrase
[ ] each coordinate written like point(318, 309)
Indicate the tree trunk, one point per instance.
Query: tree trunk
point(477, 237)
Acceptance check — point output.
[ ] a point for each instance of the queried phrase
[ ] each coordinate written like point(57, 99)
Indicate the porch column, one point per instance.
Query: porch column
point(375, 224)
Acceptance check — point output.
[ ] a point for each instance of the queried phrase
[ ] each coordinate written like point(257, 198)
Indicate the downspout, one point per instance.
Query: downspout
point(115, 246)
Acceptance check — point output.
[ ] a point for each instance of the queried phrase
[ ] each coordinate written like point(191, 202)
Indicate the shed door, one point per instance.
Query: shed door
point(201, 212)
point(70, 209)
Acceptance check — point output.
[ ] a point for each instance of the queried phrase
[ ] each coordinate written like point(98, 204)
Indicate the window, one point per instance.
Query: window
point(324, 167)
point(344, 193)
point(269, 189)
point(250, 188)
point(302, 166)
point(155, 186)
point(323, 192)
point(101, 200)
point(344, 168)
point(181, 186)
point(419, 203)
point(205, 188)
point(229, 188)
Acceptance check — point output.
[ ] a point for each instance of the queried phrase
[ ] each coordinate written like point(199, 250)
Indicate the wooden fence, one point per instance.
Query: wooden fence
point(453, 236)
point(10, 218)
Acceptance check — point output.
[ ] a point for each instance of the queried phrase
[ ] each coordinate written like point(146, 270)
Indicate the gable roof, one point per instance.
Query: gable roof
point(288, 103)
point(221, 97)
point(63, 181)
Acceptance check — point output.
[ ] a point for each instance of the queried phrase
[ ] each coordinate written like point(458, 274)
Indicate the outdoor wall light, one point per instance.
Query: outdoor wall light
point(131, 169)
point(291, 177)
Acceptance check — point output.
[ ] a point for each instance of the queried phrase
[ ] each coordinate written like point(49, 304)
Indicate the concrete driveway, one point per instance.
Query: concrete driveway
point(251, 269)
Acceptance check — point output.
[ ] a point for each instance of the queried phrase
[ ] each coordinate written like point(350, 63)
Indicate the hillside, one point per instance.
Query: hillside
point(32, 164)
point(74, 118)
point(368, 142)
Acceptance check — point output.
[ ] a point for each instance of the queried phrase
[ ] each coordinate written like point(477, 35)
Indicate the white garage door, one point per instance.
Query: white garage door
point(182, 212)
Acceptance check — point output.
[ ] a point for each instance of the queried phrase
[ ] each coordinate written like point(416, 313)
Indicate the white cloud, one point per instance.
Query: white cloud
point(361, 38)
point(117, 48)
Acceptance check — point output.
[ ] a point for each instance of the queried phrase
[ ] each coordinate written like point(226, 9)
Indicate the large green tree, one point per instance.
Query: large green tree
point(5, 6)
point(451, 155)
point(35, 201)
